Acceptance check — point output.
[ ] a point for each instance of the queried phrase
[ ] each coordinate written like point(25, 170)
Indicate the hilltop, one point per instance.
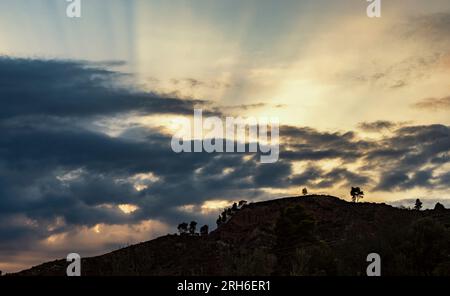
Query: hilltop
point(309, 235)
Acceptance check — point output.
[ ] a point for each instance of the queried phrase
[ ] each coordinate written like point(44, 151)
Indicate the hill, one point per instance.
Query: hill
point(311, 235)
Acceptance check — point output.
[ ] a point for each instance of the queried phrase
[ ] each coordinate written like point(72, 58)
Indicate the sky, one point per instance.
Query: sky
point(88, 106)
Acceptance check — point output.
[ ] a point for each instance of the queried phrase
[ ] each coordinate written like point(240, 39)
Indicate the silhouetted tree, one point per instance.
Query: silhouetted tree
point(229, 212)
point(204, 230)
point(418, 205)
point(356, 194)
point(234, 208)
point(219, 221)
point(439, 207)
point(192, 227)
point(305, 191)
point(183, 228)
point(242, 203)
point(224, 217)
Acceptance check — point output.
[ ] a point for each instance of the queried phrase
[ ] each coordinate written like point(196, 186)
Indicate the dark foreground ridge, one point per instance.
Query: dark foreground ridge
point(310, 235)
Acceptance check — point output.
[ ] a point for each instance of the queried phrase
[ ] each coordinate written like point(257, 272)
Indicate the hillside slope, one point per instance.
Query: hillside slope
point(312, 235)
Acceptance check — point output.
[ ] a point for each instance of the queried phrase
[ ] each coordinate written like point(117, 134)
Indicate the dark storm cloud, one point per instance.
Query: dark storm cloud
point(30, 184)
point(275, 175)
point(309, 144)
point(315, 177)
point(444, 180)
point(43, 144)
point(306, 178)
point(306, 152)
point(401, 158)
point(422, 142)
point(339, 175)
point(395, 179)
point(67, 88)
point(37, 160)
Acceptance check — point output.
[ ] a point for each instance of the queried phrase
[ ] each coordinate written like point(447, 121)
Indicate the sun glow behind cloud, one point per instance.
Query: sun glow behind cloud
point(127, 208)
point(110, 234)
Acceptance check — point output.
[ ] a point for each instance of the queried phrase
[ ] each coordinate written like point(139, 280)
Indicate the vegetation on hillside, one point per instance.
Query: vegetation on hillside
point(309, 235)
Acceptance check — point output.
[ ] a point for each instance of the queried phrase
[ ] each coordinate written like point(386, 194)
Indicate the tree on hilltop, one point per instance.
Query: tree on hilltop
point(418, 205)
point(305, 191)
point(183, 228)
point(356, 194)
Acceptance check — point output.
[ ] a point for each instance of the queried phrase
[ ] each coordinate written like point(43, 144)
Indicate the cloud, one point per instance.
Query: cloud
point(377, 126)
point(244, 106)
point(408, 157)
point(430, 27)
point(275, 175)
point(304, 143)
point(408, 50)
point(402, 158)
point(401, 180)
point(68, 88)
point(316, 177)
point(435, 104)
